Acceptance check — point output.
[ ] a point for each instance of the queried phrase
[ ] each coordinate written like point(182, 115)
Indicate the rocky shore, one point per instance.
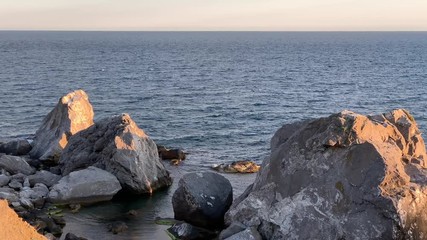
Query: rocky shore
point(346, 176)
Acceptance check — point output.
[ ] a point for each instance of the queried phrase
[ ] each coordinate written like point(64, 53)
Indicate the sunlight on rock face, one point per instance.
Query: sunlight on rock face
point(72, 114)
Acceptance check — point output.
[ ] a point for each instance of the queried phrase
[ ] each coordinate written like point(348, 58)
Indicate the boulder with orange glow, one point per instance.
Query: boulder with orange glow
point(346, 176)
point(119, 146)
point(72, 114)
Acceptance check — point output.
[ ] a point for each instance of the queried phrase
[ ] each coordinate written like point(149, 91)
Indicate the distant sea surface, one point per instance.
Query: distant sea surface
point(218, 95)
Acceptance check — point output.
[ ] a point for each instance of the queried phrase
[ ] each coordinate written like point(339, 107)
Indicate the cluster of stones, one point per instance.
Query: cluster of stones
point(73, 159)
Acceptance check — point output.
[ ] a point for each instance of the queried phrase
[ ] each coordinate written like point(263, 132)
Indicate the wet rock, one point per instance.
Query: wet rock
point(85, 186)
point(244, 166)
point(186, 231)
point(51, 226)
point(14, 164)
point(16, 147)
point(247, 234)
point(45, 177)
point(74, 207)
point(169, 154)
point(4, 180)
point(132, 213)
point(71, 236)
point(346, 176)
point(202, 199)
point(72, 114)
point(118, 146)
point(117, 227)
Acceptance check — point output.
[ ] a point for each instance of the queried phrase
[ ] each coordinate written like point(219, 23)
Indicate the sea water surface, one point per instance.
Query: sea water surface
point(218, 95)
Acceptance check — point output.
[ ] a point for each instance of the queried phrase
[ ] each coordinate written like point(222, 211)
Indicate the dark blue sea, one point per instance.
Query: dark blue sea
point(218, 95)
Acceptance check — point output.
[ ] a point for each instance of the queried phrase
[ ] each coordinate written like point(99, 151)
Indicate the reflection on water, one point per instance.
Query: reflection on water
point(91, 222)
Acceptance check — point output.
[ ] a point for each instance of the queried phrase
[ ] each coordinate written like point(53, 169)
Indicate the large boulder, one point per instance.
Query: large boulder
point(72, 114)
point(202, 199)
point(346, 176)
point(85, 186)
point(16, 147)
point(14, 165)
point(119, 146)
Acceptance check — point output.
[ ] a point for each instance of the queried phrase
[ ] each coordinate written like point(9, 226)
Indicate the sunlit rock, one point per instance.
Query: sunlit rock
point(346, 176)
point(72, 114)
point(119, 146)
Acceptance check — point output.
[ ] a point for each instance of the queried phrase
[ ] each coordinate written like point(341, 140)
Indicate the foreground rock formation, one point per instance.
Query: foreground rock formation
point(202, 199)
point(119, 146)
point(72, 114)
point(14, 228)
point(347, 176)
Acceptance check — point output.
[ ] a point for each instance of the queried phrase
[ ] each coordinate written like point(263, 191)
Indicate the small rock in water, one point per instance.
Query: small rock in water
point(243, 166)
point(117, 227)
point(71, 236)
point(132, 213)
point(74, 207)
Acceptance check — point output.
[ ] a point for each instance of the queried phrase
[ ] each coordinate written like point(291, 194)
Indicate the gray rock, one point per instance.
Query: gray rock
point(14, 164)
point(26, 183)
point(15, 185)
point(72, 114)
point(16, 147)
point(71, 236)
point(347, 176)
point(20, 177)
point(118, 146)
point(247, 234)
point(187, 231)
point(37, 195)
point(202, 199)
point(4, 180)
point(26, 203)
point(9, 194)
point(45, 177)
point(85, 186)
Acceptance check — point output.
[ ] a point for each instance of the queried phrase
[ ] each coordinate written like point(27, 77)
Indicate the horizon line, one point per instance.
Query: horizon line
point(114, 30)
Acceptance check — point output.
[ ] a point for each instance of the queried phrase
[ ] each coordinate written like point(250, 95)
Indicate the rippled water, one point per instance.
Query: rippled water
point(218, 95)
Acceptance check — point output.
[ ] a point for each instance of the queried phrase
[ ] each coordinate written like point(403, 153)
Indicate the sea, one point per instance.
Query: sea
point(220, 96)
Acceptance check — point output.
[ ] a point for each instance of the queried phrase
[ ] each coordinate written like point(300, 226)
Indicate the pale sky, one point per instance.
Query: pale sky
point(256, 15)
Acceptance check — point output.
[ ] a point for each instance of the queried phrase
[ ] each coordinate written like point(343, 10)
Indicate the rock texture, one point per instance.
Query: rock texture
point(85, 186)
point(347, 176)
point(72, 114)
point(16, 147)
point(202, 199)
point(13, 227)
point(118, 146)
point(14, 164)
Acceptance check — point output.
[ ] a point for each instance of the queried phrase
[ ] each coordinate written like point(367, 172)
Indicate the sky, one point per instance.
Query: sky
point(214, 15)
